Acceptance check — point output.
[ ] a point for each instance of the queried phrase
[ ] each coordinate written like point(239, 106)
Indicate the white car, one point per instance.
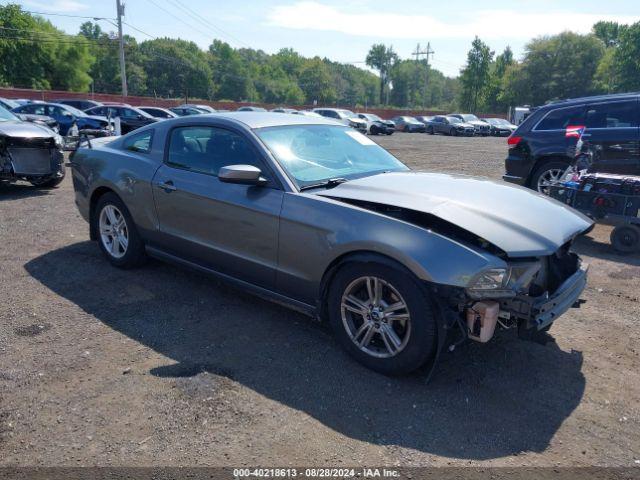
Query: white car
point(346, 117)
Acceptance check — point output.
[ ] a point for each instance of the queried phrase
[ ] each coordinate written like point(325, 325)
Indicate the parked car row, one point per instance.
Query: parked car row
point(455, 124)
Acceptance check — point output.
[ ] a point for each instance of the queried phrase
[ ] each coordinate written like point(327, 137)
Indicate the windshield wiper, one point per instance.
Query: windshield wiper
point(332, 182)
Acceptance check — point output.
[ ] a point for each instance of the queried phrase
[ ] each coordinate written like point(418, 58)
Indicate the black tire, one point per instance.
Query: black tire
point(51, 182)
point(134, 254)
point(626, 238)
point(430, 131)
point(406, 129)
point(421, 342)
point(452, 132)
point(544, 168)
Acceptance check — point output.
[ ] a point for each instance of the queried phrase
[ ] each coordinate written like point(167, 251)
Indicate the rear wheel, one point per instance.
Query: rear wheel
point(547, 175)
point(118, 237)
point(382, 317)
point(626, 238)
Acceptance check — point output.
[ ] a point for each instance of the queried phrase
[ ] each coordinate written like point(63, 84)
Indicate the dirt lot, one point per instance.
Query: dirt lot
point(160, 366)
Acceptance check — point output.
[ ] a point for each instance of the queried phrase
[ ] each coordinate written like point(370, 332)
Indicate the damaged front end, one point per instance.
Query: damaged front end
point(36, 160)
point(529, 294)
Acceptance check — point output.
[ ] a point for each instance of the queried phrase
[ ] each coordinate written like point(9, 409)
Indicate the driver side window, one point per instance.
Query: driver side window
point(207, 149)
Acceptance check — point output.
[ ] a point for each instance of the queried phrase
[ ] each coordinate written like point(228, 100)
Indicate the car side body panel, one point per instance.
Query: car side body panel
point(127, 173)
point(315, 231)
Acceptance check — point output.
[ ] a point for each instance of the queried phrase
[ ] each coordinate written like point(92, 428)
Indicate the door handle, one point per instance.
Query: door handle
point(586, 135)
point(167, 186)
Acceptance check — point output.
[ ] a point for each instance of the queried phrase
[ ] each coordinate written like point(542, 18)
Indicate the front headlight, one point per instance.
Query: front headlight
point(491, 279)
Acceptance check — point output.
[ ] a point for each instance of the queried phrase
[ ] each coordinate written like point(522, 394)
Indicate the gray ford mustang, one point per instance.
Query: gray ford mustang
point(316, 215)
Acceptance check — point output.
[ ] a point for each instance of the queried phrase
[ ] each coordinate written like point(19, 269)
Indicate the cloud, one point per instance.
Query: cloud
point(487, 24)
point(62, 6)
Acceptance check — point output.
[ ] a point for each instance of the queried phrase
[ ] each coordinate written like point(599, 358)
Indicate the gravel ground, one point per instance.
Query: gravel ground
point(161, 366)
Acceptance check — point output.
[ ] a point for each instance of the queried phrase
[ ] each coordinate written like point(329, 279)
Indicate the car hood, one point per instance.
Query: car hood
point(519, 221)
point(32, 117)
point(478, 123)
point(15, 129)
point(96, 117)
point(464, 124)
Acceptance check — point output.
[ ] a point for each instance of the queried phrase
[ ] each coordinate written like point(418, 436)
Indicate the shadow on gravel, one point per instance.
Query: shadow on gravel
point(586, 245)
point(17, 191)
point(483, 402)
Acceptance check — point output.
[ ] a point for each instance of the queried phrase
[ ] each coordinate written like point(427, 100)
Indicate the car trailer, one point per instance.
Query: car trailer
point(619, 210)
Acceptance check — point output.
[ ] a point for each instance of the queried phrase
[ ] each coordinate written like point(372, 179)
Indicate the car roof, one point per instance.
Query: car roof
point(264, 119)
point(593, 98)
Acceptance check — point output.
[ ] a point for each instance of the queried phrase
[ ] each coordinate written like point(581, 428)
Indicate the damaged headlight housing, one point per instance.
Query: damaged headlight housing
point(491, 279)
point(491, 283)
point(514, 279)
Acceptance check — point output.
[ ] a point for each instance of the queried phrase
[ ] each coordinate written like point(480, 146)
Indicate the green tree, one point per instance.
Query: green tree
point(317, 83)
point(555, 67)
point(176, 68)
point(608, 32)
point(627, 59)
point(474, 77)
point(36, 54)
point(493, 101)
point(230, 73)
point(382, 58)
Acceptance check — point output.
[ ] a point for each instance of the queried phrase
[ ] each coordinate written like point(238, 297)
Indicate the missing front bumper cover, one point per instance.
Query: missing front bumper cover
point(539, 312)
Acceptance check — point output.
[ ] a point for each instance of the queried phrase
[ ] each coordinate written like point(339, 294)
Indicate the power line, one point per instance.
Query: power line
point(173, 15)
point(60, 14)
point(199, 18)
point(139, 31)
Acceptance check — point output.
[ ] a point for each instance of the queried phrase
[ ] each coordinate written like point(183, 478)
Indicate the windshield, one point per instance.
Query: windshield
point(316, 153)
point(470, 118)
point(6, 115)
point(372, 117)
point(454, 120)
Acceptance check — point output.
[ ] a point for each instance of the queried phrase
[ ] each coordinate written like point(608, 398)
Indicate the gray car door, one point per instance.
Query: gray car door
point(230, 228)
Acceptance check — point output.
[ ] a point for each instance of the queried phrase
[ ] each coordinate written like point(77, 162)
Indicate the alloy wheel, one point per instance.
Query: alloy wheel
point(114, 233)
point(376, 317)
point(549, 178)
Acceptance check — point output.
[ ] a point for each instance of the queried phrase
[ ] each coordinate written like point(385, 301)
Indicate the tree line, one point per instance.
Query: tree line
point(35, 54)
point(566, 65)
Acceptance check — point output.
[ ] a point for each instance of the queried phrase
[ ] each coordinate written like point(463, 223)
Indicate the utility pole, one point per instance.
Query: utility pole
point(419, 53)
point(123, 73)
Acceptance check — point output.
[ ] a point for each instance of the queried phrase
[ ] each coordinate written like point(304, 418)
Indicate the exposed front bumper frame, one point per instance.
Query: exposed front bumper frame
point(541, 311)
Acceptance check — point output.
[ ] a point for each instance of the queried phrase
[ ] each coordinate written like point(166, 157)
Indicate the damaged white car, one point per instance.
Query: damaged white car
point(29, 152)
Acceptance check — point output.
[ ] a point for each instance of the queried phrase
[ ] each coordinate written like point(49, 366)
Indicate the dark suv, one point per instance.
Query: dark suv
point(540, 150)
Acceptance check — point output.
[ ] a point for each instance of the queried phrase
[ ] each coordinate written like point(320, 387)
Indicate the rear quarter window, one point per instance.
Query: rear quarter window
point(561, 118)
point(139, 143)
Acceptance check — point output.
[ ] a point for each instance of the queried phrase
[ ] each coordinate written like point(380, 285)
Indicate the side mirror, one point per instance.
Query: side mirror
point(241, 174)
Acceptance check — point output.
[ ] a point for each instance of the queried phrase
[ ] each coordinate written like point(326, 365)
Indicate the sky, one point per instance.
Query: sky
point(345, 30)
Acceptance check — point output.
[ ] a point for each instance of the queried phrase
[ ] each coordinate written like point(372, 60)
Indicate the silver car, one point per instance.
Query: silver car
point(317, 216)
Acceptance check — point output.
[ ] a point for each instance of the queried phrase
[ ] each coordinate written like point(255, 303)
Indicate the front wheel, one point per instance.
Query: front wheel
point(118, 237)
point(452, 132)
point(430, 131)
point(383, 317)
